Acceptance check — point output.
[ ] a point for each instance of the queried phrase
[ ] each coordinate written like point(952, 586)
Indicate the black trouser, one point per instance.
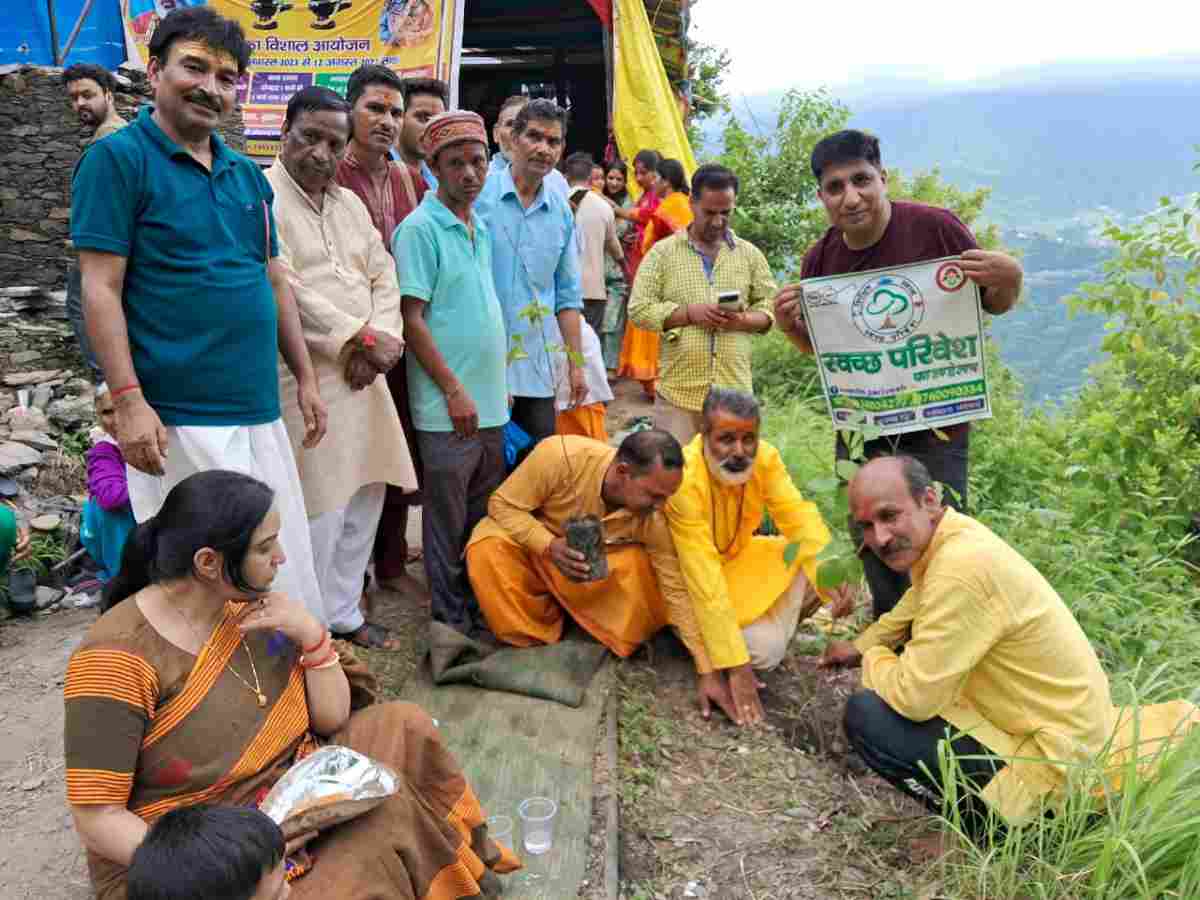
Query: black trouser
point(947, 463)
point(536, 415)
point(460, 476)
point(75, 315)
point(896, 748)
point(593, 313)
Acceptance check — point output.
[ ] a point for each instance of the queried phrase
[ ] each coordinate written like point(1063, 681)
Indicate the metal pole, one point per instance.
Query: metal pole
point(53, 32)
point(83, 14)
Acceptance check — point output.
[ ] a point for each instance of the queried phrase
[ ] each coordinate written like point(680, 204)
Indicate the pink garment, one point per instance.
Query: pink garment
point(106, 475)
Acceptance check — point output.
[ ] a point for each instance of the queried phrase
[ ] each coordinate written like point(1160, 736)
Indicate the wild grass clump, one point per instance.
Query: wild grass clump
point(1123, 829)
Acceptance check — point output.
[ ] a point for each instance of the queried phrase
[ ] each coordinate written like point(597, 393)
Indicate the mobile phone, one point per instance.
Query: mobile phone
point(730, 301)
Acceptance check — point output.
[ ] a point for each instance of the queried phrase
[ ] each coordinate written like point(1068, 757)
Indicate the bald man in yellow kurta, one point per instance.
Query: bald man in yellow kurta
point(990, 651)
point(747, 596)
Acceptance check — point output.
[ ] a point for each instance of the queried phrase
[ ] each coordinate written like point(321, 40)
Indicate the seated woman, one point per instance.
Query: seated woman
point(107, 515)
point(200, 685)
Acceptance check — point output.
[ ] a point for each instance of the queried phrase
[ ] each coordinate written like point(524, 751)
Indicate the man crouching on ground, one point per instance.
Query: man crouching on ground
point(525, 575)
point(994, 663)
point(748, 600)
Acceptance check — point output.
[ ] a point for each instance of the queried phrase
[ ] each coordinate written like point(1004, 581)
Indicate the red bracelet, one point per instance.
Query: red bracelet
point(317, 646)
point(125, 390)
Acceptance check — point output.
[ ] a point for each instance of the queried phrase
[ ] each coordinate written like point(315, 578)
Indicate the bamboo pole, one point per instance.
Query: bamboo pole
point(83, 14)
point(53, 33)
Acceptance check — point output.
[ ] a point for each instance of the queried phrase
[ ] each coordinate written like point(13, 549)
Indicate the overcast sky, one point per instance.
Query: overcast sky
point(776, 44)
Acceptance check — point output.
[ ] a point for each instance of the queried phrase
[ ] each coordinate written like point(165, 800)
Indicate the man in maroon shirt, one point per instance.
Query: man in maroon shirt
point(391, 190)
point(870, 231)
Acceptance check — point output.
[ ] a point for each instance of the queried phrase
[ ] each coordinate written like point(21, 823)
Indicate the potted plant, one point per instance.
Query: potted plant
point(25, 572)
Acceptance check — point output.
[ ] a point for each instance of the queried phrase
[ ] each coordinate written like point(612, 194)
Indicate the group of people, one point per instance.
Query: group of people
point(421, 305)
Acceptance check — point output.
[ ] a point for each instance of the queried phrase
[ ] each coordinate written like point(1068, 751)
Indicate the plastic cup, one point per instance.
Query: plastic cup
point(537, 823)
point(500, 829)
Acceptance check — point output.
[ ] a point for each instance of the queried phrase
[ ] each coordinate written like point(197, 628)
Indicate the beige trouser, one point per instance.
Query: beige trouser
point(682, 423)
point(767, 637)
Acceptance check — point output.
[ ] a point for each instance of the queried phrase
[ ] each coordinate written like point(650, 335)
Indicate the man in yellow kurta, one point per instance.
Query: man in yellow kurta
point(349, 301)
point(524, 574)
point(990, 651)
point(748, 598)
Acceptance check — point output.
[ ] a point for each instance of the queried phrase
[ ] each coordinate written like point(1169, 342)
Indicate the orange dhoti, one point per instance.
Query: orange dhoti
point(639, 357)
point(585, 421)
point(523, 596)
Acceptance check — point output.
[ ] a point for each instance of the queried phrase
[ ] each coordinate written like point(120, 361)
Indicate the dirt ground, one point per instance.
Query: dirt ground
point(707, 810)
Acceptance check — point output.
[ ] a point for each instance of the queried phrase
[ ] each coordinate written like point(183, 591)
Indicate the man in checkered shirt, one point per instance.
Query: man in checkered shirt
point(676, 293)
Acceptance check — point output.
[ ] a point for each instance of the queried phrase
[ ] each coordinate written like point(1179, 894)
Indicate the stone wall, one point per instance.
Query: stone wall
point(40, 142)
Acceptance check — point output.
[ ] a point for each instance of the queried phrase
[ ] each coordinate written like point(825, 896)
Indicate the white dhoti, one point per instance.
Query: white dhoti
point(767, 637)
point(342, 540)
point(261, 451)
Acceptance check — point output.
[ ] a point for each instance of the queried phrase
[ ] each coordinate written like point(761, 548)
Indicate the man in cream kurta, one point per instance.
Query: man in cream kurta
point(991, 654)
point(349, 300)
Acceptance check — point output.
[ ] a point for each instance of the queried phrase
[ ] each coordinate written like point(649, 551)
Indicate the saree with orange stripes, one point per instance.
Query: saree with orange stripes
point(152, 727)
point(640, 348)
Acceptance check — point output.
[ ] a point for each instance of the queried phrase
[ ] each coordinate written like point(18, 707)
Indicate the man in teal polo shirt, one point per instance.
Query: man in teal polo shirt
point(186, 305)
point(457, 346)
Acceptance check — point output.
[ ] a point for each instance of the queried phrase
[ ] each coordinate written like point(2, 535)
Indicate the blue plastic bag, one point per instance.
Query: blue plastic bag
point(516, 442)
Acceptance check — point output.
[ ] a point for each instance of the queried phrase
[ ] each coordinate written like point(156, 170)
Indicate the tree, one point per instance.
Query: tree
point(707, 65)
point(777, 209)
point(1137, 424)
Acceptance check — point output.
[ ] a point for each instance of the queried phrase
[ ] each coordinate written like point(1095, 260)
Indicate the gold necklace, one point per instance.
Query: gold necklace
point(256, 688)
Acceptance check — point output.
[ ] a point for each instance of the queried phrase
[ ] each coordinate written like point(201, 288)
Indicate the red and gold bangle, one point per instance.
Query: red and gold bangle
point(334, 659)
point(317, 662)
point(125, 390)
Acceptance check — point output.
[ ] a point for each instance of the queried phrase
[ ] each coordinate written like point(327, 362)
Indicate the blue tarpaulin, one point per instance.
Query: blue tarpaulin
point(25, 32)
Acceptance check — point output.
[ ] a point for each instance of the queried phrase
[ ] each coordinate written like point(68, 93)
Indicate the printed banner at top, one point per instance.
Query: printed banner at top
point(899, 349)
point(299, 43)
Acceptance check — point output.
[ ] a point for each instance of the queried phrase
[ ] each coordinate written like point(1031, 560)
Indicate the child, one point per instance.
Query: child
point(587, 419)
point(206, 852)
point(107, 516)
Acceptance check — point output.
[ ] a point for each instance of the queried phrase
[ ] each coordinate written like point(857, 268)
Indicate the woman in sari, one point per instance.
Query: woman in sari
point(639, 348)
point(616, 283)
point(673, 211)
point(200, 685)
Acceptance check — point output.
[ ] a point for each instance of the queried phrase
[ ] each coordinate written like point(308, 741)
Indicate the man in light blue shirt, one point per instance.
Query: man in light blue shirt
point(457, 348)
point(502, 132)
point(536, 261)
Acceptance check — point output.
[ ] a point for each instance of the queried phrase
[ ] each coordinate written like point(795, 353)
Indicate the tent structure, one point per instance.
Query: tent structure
point(61, 32)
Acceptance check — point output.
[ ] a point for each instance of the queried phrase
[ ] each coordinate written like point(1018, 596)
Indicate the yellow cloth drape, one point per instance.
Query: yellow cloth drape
point(646, 115)
point(733, 589)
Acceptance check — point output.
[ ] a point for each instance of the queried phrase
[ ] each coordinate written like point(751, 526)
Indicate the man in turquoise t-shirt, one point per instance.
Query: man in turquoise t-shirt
point(186, 305)
point(457, 345)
